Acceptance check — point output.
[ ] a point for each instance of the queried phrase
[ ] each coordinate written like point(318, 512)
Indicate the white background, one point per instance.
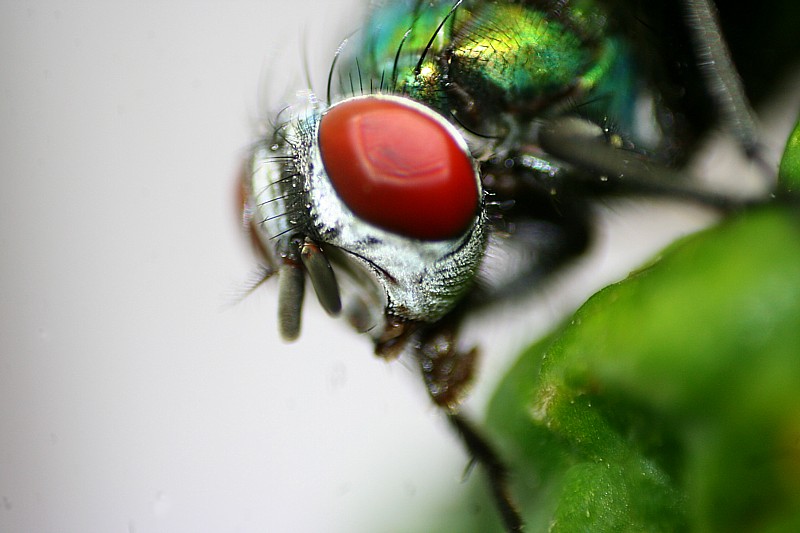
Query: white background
point(137, 392)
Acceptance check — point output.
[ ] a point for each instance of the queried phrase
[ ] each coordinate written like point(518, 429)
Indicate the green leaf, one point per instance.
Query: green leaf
point(670, 401)
point(789, 171)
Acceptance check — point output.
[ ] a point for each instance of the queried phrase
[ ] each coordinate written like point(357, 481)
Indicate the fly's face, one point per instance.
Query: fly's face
point(376, 195)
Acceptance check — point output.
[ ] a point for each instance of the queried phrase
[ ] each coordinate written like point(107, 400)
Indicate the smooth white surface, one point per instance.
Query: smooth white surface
point(136, 394)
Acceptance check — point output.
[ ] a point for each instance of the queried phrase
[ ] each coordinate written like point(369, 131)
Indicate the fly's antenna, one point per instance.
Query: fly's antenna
point(428, 46)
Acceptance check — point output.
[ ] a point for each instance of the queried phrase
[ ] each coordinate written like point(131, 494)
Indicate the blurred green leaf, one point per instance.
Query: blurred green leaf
point(789, 171)
point(671, 400)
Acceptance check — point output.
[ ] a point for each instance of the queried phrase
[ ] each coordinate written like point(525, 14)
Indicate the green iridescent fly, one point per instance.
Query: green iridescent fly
point(455, 131)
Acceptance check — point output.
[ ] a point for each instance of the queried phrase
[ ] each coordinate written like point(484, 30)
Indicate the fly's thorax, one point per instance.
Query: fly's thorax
point(510, 58)
point(299, 192)
point(488, 63)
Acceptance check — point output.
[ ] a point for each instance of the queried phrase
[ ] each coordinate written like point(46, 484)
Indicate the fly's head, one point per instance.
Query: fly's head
point(377, 201)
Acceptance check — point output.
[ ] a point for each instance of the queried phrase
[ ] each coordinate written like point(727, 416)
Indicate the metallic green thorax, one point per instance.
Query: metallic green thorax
point(520, 53)
point(496, 58)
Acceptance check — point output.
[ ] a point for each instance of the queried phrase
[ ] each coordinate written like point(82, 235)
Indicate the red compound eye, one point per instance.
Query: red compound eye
point(398, 168)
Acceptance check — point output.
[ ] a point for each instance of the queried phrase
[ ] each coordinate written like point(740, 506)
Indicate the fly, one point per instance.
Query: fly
point(459, 128)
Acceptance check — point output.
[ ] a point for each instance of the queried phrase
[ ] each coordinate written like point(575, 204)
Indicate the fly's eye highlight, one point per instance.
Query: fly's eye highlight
point(400, 168)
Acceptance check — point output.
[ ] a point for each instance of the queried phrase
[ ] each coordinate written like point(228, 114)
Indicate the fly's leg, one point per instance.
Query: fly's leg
point(483, 453)
point(721, 78)
point(447, 372)
point(604, 169)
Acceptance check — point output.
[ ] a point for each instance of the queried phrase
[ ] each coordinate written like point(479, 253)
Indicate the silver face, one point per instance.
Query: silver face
point(292, 199)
